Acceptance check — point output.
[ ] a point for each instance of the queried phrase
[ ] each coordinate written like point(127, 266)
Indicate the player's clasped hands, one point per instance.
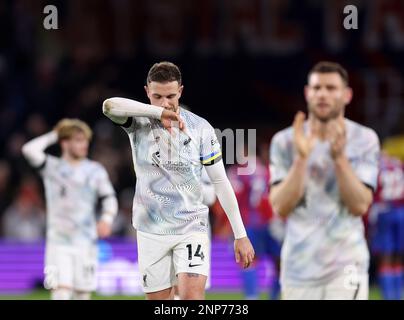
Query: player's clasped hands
point(244, 252)
point(334, 131)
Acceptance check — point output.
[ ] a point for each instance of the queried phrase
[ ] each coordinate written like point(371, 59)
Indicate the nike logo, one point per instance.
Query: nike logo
point(194, 265)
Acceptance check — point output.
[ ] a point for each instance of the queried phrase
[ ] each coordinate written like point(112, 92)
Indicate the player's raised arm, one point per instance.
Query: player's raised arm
point(242, 246)
point(34, 150)
point(287, 187)
point(120, 109)
point(356, 186)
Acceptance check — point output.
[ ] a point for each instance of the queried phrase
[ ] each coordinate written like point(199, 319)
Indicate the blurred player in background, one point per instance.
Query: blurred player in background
point(252, 195)
point(73, 186)
point(388, 213)
point(323, 174)
point(170, 146)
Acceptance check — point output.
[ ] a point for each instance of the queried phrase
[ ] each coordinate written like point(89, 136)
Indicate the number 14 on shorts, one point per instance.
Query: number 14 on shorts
point(198, 253)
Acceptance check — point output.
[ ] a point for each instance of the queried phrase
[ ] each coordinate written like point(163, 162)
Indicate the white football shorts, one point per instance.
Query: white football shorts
point(162, 257)
point(343, 287)
point(71, 267)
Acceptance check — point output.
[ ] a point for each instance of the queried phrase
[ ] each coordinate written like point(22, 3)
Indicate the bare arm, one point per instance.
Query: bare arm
point(286, 195)
point(354, 194)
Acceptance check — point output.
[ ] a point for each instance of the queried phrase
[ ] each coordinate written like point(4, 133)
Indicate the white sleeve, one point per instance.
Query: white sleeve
point(106, 192)
point(279, 158)
point(227, 198)
point(208, 190)
point(120, 109)
point(367, 167)
point(34, 150)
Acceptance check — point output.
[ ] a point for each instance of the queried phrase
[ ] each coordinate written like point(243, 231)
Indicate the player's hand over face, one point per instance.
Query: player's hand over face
point(336, 135)
point(304, 144)
point(103, 229)
point(244, 252)
point(171, 119)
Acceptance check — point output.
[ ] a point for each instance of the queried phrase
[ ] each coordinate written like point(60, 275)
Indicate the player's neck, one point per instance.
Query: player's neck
point(320, 127)
point(71, 160)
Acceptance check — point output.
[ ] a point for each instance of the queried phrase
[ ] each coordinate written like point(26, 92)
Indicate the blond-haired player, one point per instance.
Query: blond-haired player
point(73, 186)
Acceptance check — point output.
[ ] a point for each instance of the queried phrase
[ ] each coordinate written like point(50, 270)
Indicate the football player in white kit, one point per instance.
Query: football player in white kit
point(170, 218)
point(323, 175)
point(73, 186)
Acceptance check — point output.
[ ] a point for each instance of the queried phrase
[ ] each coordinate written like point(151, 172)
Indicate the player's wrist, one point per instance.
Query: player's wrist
point(338, 157)
point(300, 160)
point(240, 235)
point(107, 218)
point(340, 160)
point(158, 112)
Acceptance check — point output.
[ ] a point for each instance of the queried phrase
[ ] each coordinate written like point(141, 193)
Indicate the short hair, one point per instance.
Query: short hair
point(65, 128)
point(329, 67)
point(164, 72)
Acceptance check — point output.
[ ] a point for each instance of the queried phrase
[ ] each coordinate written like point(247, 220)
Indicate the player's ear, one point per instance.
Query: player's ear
point(306, 92)
point(146, 88)
point(348, 94)
point(180, 91)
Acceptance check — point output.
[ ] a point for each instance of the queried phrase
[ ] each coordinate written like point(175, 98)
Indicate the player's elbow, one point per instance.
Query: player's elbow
point(281, 211)
point(277, 206)
point(359, 209)
point(26, 150)
point(107, 105)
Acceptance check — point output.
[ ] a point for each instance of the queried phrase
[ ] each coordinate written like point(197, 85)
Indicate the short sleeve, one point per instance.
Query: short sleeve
point(210, 151)
point(366, 166)
point(278, 155)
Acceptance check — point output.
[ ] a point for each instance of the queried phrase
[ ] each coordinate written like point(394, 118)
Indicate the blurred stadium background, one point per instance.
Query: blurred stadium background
point(244, 64)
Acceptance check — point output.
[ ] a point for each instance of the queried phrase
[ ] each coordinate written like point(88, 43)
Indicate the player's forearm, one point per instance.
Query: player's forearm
point(209, 194)
point(109, 209)
point(34, 150)
point(228, 201)
point(354, 194)
point(120, 109)
point(286, 195)
point(227, 198)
